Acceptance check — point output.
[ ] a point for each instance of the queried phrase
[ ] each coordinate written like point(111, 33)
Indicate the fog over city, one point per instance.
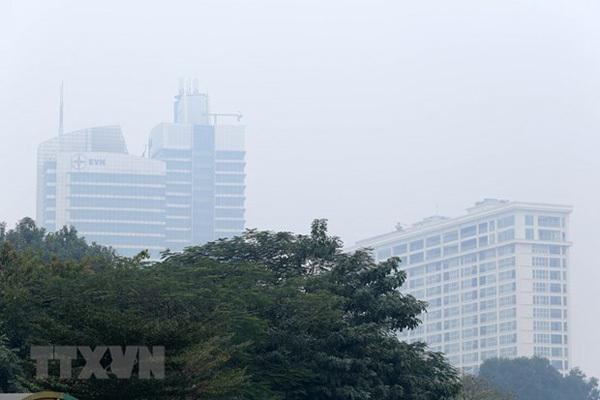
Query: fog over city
point(367, 113)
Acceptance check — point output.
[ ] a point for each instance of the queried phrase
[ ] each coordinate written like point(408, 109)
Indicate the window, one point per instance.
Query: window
point(469, 283)
point(469, 258)
point(452, 324)
point(529, 220)
point(551, 222)
point(483, 241)
point(451, 275)
point(507, 288)
point(488, 266)
point(433, 253)
point(449, 250)
point(540, 287)
point(529, 234)
point(556, 339)
point(507, 313)
point(470, 345)
point(470, 358)
point(484, 255)
point(434, 327)
point(451, 312)
point(543, 326)
point(469, 271)
point(469, 321)
point(415, 258)
point(416, 245)
point(541, 313)
point(488, 330)
point(469, 308)
point(506, 222)
point(451, 287)
point(506, 275)
point(433, 267)
point(506, 235)
point(489, 342)
point(468, 231)
point(507, 301)
point(507, 339)
point(452, 299)
point(541, 338)
point(450, 236)
point(487, 304)
point(488, 354)
point(539, 261)
point(488, 317)
point(506, 250)
point(400, 249)
point(468, 244)
point(434, 291)
point(541, 300)
point(541, 351)
point(415, 283)
point(433, 241)
point(540, 274)
point(487, 292)
point(470, 295)
point(436, 278)
point(451, 348)
point(507, 262)
point(469, 333)
point(549, 235)
point(508, 352)
point(483, 227)
point(507, 326)
point(488, 279)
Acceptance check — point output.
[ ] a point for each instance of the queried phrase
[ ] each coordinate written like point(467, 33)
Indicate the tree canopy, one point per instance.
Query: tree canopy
point(267, 315)
point(535, 379)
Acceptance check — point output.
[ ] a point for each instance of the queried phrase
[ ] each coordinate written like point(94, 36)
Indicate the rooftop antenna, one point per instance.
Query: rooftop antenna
point(181, 86)
point(60, 118)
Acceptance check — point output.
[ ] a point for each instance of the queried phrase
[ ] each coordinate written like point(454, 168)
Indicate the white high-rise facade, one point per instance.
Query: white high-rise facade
point(495, 280)
point(187, 191)
point(205, 172)
point(86, 179)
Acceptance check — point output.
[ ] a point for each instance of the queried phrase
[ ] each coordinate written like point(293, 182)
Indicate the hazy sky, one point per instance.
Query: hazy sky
point(363, 112)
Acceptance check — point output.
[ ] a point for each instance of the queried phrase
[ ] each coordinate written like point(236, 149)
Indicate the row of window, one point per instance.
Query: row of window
point(544, 351)
point(549, 300)
point(543, 287)
point(550, 326)
point(554, 313)
point(474, 357)
point(548, 338)
point(546, 274)
point(546, 221)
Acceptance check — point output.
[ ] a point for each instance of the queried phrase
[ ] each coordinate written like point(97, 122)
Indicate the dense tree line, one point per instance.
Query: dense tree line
point(263, 316)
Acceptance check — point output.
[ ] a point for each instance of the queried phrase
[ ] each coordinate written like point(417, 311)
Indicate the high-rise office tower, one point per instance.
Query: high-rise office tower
point(205, 164)
point(496, 281)
point(86, 179)
point(189, 189)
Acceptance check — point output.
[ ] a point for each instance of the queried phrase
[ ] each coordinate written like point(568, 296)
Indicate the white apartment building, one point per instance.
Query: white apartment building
point(495, 280)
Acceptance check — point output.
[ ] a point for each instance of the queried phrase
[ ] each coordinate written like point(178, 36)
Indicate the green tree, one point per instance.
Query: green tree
point(477, 388)
point(263, 316)
point(535, 379)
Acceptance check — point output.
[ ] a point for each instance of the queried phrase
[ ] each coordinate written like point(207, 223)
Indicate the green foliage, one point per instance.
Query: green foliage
point(262, 316)
point(535, 379)
point(477, 388)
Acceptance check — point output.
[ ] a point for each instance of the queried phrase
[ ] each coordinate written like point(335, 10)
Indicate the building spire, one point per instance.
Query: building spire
point(60, 120)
